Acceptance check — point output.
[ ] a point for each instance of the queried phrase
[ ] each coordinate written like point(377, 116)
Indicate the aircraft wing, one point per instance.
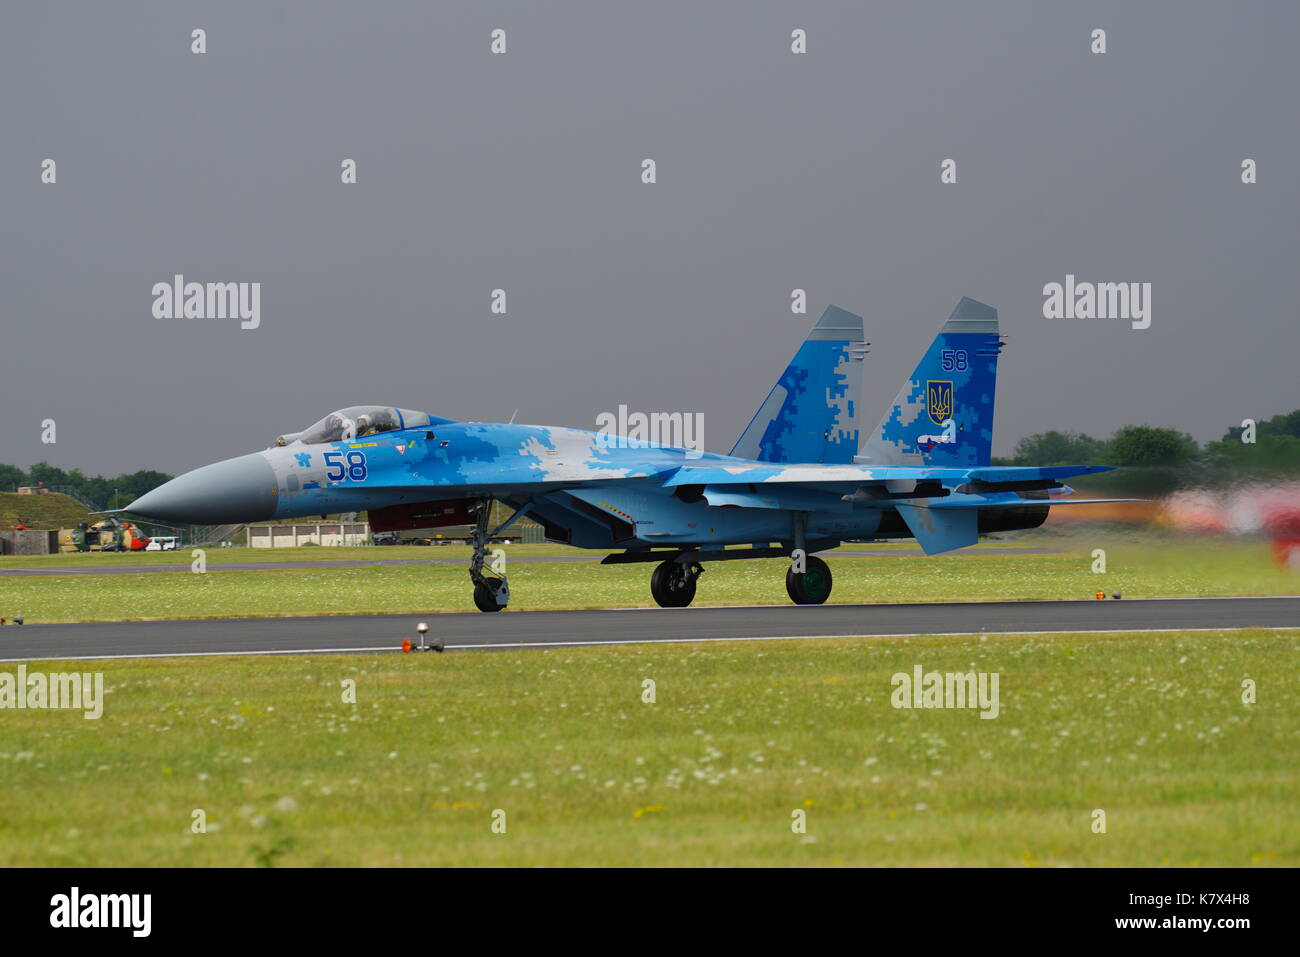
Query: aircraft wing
point(859, 475)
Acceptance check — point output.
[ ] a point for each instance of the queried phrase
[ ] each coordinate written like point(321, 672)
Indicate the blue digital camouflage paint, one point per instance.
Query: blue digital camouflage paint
point(943, 415)
point(811, 414)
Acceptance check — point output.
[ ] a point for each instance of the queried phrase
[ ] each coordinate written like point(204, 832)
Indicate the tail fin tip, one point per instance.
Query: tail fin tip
point(971, 315)
point(837, 324)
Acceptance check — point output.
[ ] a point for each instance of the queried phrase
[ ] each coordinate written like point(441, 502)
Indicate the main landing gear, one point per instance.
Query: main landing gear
point(813, 585)
point(673, 583)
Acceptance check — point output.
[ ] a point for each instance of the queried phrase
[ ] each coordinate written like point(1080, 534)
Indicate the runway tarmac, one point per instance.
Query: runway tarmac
point(513, 629)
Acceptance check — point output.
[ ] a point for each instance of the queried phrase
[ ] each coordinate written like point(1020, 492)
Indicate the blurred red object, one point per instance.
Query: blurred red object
point(1196, 511)
point(1287, 552)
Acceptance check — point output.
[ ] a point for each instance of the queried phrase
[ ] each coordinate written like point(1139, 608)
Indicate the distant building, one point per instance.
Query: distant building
point(291, 536)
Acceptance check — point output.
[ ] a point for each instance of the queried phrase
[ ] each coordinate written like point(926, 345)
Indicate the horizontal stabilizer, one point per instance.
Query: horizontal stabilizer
point(1029, 473)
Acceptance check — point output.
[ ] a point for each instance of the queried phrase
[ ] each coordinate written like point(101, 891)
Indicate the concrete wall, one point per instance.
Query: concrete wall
point(29, 542)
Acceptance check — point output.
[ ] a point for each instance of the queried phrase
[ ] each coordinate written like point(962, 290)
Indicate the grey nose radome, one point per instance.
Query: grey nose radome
point(236, 490)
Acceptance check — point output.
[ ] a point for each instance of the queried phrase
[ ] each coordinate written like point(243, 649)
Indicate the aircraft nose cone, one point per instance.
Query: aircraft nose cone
point(236, 490)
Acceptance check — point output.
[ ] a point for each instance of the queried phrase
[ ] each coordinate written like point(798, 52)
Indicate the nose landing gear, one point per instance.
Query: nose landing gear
point(490, 593)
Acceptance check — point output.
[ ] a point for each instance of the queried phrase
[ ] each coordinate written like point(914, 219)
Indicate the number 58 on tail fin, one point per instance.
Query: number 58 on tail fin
point(943, 415)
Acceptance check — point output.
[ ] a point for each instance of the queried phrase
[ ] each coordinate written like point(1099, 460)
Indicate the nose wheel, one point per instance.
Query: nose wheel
point(490, 593)
point(672, 585)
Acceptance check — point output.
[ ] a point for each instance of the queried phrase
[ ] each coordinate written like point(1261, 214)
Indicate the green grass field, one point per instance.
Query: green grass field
point(1137, 569)
point(1150, 729)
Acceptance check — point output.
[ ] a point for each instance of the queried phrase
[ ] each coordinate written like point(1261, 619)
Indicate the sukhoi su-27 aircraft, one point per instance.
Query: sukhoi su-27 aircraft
point(798, 480)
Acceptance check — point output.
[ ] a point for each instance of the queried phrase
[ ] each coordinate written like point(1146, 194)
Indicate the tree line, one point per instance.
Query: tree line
point(104, 491)
point(1159, 459)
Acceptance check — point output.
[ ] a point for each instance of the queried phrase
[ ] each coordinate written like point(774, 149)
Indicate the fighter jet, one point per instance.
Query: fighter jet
point(798, 481)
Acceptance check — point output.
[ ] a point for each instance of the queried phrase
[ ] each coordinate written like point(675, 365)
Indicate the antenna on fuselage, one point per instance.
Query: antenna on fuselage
point(512, 417)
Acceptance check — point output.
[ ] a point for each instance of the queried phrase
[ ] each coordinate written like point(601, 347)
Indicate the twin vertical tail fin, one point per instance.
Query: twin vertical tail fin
point(811, 414)
point(943, 416)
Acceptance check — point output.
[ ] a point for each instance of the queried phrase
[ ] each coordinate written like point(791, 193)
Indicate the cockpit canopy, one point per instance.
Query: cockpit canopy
point(357, 421)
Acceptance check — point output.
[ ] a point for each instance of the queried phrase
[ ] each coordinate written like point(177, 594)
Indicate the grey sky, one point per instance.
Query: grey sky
point(522, 171)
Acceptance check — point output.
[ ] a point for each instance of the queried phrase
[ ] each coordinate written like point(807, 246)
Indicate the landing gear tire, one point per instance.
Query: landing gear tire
point(485, 594)
point(673, 584)
point(490, 594)
point(813, 586)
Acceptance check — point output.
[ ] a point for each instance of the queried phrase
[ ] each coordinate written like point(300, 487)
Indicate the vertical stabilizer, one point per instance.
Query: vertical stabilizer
point(943, 415)
point(811, 414)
